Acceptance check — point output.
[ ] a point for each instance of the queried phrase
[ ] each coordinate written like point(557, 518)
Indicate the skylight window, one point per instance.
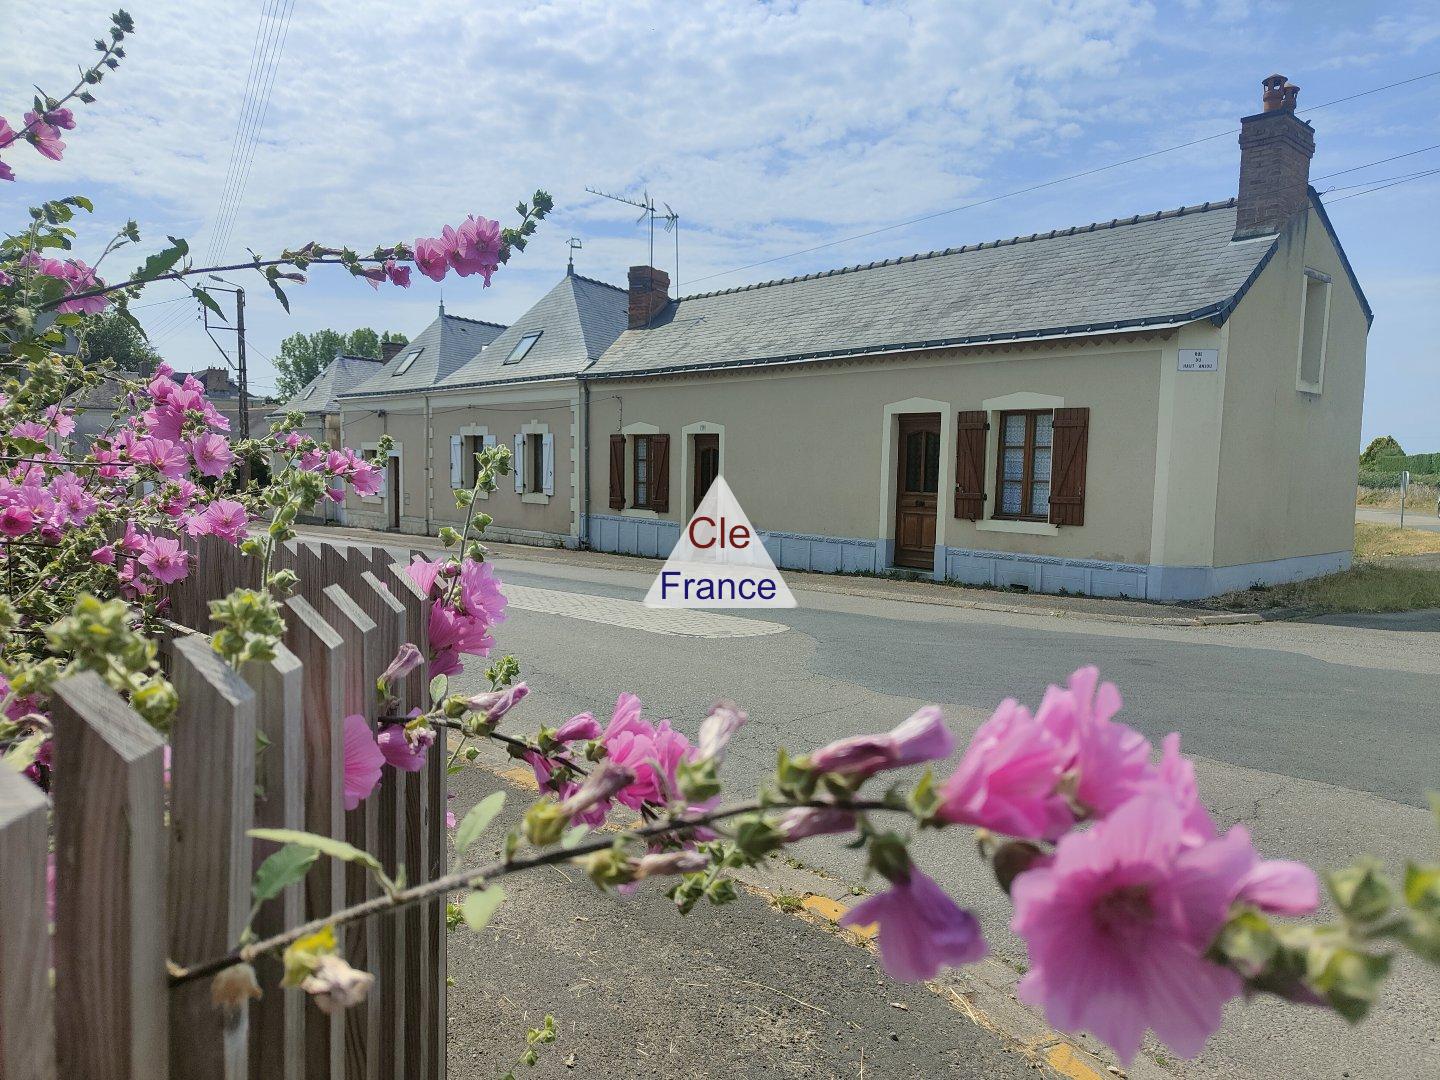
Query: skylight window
point(309, 391)
point(408, 362)
point(523, 346)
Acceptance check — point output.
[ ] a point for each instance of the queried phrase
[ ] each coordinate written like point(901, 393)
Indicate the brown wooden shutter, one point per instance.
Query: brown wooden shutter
point(1067, 488)
point(970, 464)
point(660, 473)
point(617, 472)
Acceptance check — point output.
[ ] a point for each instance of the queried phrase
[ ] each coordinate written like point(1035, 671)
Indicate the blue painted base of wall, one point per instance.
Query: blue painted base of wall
point(790, 551)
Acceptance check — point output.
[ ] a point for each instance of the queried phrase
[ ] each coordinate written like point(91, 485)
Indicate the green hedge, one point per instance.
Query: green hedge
point(1417, 463)
point(1376, 479)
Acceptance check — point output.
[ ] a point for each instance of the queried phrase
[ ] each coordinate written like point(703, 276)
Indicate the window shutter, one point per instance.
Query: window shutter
point(660, 473)
point(457, 453)
point(519, 464)
point(1067, 488)
point(549, 464)
point(617, 472)
point(970, 464)
point(487, 441)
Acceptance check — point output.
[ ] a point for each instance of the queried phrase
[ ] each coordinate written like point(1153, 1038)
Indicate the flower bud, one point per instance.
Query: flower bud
point(494, 704)
point(800, 822)
point(602, 785)
point(406, 660)
point(335, 985)
point(670, 863)
point(234, 986)
point(1012, 859)
point(544, 823)
point(717, 729)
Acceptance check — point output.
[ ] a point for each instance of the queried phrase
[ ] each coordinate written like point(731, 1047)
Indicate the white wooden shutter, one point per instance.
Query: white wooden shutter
point(549, 463)
point(457, 454)
point(519, 464)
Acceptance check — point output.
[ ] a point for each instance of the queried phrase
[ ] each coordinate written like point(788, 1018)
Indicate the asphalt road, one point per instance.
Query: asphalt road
point(1321, 738)
point(1419, 515)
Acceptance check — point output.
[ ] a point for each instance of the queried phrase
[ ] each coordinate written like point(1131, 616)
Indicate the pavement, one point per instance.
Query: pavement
point(1320, 737)
point(1420, 516)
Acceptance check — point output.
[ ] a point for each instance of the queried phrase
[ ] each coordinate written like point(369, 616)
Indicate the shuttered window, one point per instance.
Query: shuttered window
point(1071, 448)
point(970, 430)
point(617, 472)
point(642, 472)
point(1024, 454)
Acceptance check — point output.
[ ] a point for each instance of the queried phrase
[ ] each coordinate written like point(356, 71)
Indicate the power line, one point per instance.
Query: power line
point(1382, 161)
point(1047, 183)
point(1382, 187)
point(1380, 180)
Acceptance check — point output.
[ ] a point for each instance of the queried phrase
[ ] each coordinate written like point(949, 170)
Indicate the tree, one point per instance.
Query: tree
point(114, 337)
point(1386, 446)
point(304, 356)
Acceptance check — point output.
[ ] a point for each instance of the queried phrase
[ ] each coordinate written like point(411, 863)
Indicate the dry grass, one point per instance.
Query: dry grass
point(1367, 586)
point(1420, 498)
point(1373, 541)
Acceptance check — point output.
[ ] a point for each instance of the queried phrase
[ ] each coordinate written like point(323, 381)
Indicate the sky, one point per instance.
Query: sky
point(769, 128)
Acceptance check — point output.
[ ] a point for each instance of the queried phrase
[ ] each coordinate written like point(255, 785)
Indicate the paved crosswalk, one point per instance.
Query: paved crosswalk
point(633, 615)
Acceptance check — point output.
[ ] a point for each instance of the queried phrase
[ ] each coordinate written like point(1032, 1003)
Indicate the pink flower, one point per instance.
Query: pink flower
point(432, 258)
point(73, 504)
point(921, 928)
point(407, 659)
point(212, 454)
point(44, 137)
point(404, 749)
point(1007, 779)
point(474, 247)
point(1111, 761)
point(923, 737)
point(61, 118)
point(6, 173)
point(398, 275)
point(717, 729)
point(480, 593)
point(366, 479)
point(105, 555)
point(1117, 926)
point(7, 133)
point(363, 761)
point(226, 519)
point(423, 574)
point(162, 455)
point(62, 422)
point(577, 728)
point(496, 703)
point(652, 753)
point(16, 521)
point(166, 560)
point(450, 819)
point(605, 782)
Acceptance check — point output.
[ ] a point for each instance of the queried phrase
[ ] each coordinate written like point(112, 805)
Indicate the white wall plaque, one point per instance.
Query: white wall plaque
point(1198, 360)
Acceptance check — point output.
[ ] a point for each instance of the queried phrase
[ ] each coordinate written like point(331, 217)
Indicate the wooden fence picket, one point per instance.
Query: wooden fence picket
point(112, 1004)
point(277, 1044)
point(27, 1008)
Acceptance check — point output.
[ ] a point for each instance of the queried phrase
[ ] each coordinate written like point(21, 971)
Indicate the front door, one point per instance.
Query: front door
point(707, 466)
point(392, 483)
point(917, 490)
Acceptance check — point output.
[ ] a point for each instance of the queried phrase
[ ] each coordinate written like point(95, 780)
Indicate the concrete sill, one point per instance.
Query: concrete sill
point(536, 497)
point(1029, 528)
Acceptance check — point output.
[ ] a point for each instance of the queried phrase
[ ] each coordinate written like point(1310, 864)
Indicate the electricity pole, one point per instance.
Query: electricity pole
point(243, 376)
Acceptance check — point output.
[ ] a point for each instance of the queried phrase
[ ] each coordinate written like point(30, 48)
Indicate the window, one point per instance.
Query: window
point(642, 472)
point(408, 362)
point(535, 461)
point(1023, 465)
point(523, 346)
point(1314, 322)
point(707, 465)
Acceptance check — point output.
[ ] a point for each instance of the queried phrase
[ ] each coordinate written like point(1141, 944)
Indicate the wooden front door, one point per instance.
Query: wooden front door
point(917, 490)
point(707, 466)
point(392, 484)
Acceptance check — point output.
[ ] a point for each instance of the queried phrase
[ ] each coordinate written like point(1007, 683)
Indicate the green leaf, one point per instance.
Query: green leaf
point(573, 835)
point(480, 906)
point(1422, 887)
point(279, 293)
point(1360, 892)
point(336, 849)
point(282, 869)
point(439, 687)
point(209, 302)
point(478, 820)
point(162, 262)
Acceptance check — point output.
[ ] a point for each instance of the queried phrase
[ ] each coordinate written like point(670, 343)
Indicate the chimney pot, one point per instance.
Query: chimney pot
point(649, 293)
point(1275, 151)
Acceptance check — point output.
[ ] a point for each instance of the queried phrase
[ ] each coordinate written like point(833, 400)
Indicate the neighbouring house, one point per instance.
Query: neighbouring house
point(519, 388)
point(318, 401)
point(395, 401)
point(95, 409)
point(224, 394)
point(1163, 406)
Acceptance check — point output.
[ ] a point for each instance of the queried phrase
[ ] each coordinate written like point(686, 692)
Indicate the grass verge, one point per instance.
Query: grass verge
point(1372, 540)
point(1367, 586)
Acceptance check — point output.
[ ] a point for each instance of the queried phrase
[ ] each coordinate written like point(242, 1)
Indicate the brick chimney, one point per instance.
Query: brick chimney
point(649, 293)
point(1275, 151)
point(389, 350)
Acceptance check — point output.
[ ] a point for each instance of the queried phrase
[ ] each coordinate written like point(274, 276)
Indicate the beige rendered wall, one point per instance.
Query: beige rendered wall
point(404, 421)
point(803, 446)
point(1287, 457)
point(503, 414)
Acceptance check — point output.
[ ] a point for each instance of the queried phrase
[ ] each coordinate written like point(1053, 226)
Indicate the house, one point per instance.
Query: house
point(319, 400)
point(1163, 406)
point(515, 386)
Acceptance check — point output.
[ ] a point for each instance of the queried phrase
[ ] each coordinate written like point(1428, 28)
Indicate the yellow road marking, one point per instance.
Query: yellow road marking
point(1064, 1060)
point(521, 777)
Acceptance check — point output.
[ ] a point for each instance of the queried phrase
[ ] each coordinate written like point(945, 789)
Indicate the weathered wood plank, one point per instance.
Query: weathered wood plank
point(212, 805)
point(277, 1020)
point(27, 1016)
point(112, 1003)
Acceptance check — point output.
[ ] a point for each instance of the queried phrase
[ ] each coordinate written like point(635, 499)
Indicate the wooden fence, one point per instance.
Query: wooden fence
point(152, 861)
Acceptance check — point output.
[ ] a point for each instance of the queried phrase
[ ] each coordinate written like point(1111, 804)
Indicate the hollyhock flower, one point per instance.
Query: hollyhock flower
point(371, 275)
point(30, 429)
point(398, 275)
point(7, 133)
point(1118, 923)
point(61, 422)
point(407, 659)
point(1008, 777)
point(166, 560)
point(311, 460)
point(800, 822)
point(226, 519)
point(162, 455)
point(923, 737)
point(605, 782)
point(474, 247)
point(577, 728)
point(1111, 761)
point(405, 749)
point(291, 441)
point(73, 504)
point(480, 593)
point(16, 521)
point(339, 463)
point(104, 554)
point(366, 479)
point(423, 573)
point(212, 454)
point(1175, 777)
point(5, 279)
point(652, 753)
point(44, 137)
point(363, 760)
point(6, 173)
point(61, 118)
point(921, 928)
point(432, 258)
point(544, 769)
point(494, 704)
point(717, 729)
point(457, 632)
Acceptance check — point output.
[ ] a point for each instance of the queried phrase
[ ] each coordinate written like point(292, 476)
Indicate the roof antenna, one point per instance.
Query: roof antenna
point(647, 206)
point(574, 245)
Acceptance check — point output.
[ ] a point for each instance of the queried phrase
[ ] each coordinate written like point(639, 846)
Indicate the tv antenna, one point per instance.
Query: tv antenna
point(649, 210)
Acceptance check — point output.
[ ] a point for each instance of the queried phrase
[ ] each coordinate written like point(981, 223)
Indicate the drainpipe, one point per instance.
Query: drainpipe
point(585, 464)
point(429, 468)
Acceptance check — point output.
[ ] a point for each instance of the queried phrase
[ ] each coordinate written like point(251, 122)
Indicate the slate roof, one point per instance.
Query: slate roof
point(443, 347)
point(318, 396)
point(577, 320)
point(1159, 269)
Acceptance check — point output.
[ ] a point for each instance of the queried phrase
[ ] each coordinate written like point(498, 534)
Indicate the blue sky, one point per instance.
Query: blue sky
point(770, 128)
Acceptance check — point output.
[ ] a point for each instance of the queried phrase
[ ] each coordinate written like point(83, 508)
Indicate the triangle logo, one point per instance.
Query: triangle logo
point(720, 561)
